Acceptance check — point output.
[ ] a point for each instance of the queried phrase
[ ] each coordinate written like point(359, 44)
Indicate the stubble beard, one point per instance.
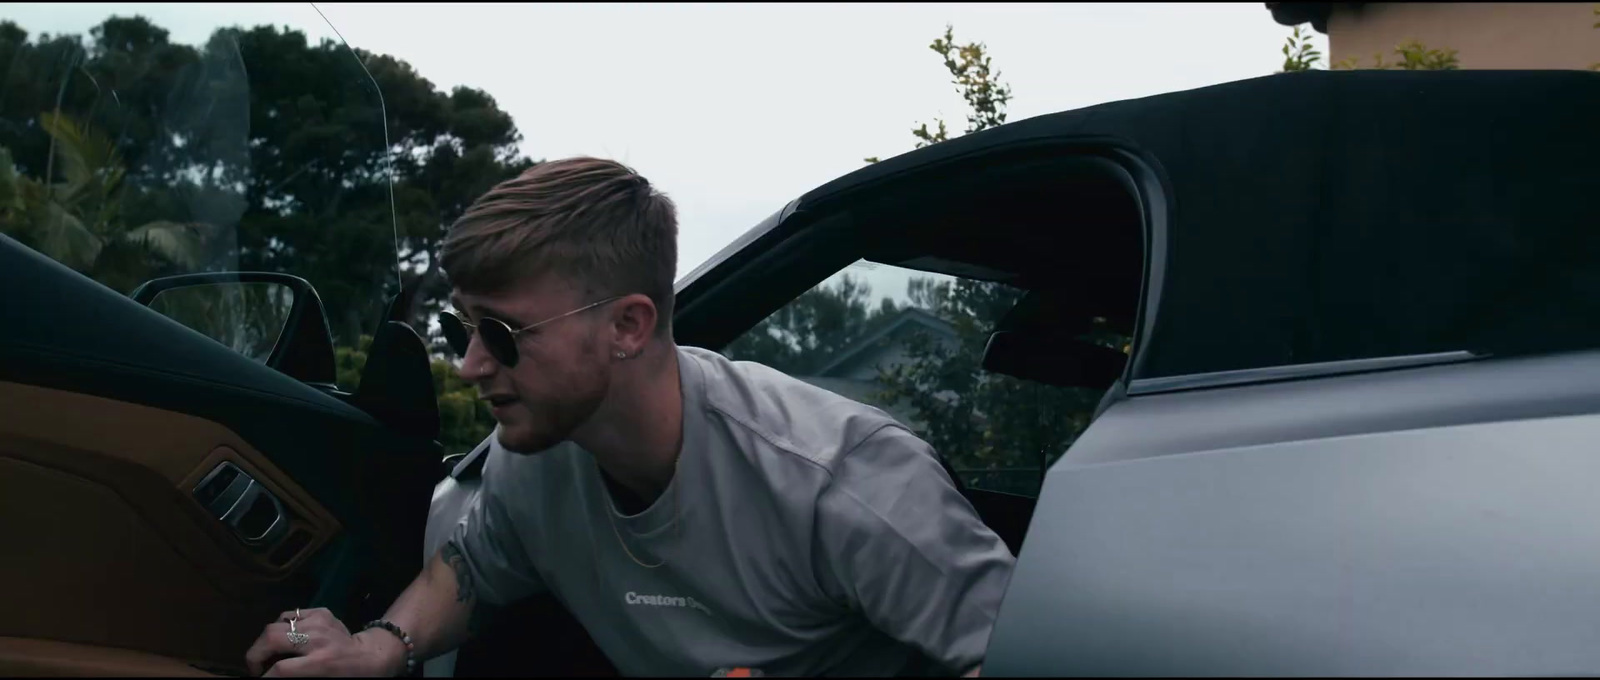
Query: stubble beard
point(554, 422)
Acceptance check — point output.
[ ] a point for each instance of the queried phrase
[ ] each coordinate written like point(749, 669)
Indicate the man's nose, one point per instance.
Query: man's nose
point(476, 365)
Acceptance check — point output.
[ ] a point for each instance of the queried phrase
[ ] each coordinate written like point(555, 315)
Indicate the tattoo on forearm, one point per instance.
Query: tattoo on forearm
point(481, 612)
point(452, 557)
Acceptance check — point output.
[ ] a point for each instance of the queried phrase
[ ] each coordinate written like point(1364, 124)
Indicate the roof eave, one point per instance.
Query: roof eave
point(1296, 13)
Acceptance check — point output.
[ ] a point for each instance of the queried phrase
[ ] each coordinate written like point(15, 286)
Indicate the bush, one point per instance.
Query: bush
point(464, 420)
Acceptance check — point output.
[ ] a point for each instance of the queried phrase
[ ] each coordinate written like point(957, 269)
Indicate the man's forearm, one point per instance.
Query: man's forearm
point(440, 609)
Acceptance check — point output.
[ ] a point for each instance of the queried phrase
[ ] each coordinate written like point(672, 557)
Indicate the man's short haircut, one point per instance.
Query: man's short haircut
point(593, 221)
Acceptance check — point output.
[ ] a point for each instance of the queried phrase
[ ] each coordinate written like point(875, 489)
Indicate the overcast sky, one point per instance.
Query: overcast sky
point(735, 109)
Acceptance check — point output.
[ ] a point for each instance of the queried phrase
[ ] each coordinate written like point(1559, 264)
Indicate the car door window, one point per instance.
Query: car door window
point(912, 343)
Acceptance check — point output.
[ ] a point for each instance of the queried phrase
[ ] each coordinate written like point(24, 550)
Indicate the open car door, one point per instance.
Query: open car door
point(180, 465)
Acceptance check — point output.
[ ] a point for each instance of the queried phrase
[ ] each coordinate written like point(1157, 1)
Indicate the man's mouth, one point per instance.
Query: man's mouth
point(498, 400)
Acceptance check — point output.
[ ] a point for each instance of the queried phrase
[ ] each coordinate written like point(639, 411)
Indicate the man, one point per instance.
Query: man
point(698, 516)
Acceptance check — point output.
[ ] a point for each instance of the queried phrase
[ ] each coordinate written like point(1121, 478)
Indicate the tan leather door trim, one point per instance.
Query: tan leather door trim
point(26, 657)
point(83, 434)
point(106, 546)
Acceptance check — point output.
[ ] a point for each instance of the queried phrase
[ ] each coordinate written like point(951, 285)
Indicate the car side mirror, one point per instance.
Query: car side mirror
point(276, 319)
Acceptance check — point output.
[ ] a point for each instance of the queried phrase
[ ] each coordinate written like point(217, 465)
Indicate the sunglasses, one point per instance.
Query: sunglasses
point(498, 339)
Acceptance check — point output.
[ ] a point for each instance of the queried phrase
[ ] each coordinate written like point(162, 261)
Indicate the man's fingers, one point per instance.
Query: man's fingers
point(273, 649)
point(315, 614)
point(274, 641)
point(304, 613)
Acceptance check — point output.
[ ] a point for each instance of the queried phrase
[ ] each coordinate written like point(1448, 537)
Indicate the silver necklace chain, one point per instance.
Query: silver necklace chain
point(611, 517)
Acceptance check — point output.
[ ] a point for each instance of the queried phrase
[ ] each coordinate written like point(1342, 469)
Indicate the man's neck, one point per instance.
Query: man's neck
point(638, 434)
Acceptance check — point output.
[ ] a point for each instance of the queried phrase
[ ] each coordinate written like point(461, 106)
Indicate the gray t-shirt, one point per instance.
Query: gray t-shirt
point(803, 534)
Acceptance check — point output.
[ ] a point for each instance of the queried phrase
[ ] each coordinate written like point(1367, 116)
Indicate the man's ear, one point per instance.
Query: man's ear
point(634, 322)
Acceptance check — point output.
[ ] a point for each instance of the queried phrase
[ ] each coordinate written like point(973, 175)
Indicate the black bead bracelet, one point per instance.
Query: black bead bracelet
point(411, 660)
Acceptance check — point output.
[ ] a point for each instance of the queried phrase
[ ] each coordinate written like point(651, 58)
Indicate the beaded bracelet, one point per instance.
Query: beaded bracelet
point(411, 661)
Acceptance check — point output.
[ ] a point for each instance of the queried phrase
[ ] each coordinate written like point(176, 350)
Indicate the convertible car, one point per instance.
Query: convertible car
point(1304, 365)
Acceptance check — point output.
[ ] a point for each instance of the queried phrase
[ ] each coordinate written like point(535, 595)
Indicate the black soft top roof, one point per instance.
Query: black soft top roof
point(1321, 216)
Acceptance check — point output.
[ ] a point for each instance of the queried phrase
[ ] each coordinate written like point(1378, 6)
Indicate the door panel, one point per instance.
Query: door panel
point(1431, 521)
point(125, 443)
point(21, 657)
point(67, 332)
point(113, 413)
point(110, 543)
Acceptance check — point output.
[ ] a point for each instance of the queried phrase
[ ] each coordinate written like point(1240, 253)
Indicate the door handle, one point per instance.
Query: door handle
point(236, 499)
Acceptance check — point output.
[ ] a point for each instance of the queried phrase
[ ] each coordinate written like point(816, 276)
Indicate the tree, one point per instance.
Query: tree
point(447, 149)
point(255, 150)
point(973, 75)
point(464, 419)
point(980, 421)
point(809, 331)
point(77, 220)
point(1596, 66)
point(984, 421)
point(280, 146)
point(1298, 54)
point(1413, 56)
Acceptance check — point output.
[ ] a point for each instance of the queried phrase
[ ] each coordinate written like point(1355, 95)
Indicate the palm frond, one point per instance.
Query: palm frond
point(176, 242)
point(61, 236)
point(88, 157)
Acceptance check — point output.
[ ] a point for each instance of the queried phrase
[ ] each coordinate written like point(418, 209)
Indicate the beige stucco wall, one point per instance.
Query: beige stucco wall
point(1490, 35)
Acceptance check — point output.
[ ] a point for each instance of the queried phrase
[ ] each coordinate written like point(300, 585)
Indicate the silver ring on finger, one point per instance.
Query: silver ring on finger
point(297, 638)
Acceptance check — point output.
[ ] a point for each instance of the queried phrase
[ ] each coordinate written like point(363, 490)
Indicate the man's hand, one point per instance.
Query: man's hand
point(330, 651)
point(434, 610)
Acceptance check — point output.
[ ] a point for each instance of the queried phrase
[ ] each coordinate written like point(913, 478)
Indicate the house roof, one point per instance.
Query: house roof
point(909, 316)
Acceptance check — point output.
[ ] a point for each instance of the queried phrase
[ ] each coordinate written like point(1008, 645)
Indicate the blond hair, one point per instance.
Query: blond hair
point(594, 221)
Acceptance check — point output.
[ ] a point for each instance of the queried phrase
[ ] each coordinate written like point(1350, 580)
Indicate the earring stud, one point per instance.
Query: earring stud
point(622, 355)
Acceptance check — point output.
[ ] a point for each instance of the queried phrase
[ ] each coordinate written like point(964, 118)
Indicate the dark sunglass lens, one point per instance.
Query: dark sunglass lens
point(455, 333)
point(497, 338)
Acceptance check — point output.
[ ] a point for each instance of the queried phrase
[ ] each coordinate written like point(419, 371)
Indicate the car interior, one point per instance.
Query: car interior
point(1064, 230)
point(1065, 227)
point(226, 501)
point(189, 510)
